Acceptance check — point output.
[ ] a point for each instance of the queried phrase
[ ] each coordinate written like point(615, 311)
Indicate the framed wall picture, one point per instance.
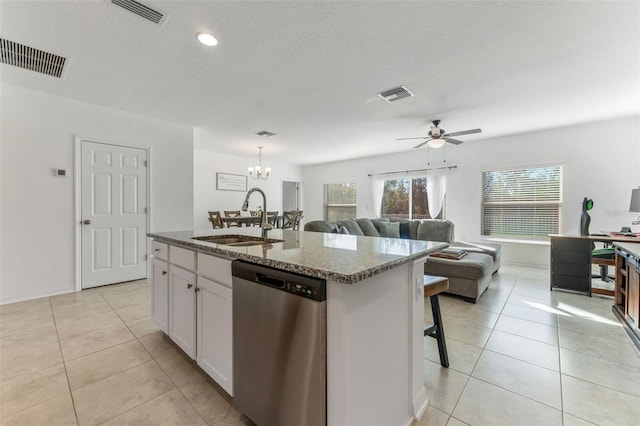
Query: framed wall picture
point(231, 182)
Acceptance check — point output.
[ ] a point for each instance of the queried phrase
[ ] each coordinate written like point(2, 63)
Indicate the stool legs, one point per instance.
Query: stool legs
point(436, 330)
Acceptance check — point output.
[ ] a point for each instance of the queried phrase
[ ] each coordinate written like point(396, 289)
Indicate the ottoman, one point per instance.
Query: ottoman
point(493, 250)
point(468, 277)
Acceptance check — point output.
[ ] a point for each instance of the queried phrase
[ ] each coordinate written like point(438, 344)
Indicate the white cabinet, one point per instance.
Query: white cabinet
point(160, 293)
point(215, 332)
point(192, 293)
point(182, 313)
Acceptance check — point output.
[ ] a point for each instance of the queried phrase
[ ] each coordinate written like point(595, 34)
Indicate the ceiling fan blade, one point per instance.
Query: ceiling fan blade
point(453, 141)
point(422, 144)
point(464, 132)
point(406, 139)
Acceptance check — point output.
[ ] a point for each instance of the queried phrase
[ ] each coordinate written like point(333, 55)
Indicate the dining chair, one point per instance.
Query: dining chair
point(216, 219)
point(291, 219)
point(272, 218)
point(232, 214)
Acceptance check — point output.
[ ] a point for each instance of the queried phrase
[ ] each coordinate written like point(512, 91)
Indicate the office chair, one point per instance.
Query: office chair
point(603, 257)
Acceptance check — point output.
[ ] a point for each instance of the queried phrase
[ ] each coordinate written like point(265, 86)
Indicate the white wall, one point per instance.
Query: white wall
point(601, 161)
point(37, 210)
point(206, 197)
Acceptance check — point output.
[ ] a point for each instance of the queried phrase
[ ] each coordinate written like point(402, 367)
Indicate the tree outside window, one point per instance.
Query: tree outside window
point(407, 198)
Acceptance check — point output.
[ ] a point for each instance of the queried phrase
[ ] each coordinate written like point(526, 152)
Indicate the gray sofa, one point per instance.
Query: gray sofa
point(468, 277)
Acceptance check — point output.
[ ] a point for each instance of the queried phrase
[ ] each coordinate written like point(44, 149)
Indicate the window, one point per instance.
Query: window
point(522, 203)
point(340, 201)
point(407, 198)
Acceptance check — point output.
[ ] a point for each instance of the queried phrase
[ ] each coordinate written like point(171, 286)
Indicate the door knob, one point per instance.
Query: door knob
point(86, 222)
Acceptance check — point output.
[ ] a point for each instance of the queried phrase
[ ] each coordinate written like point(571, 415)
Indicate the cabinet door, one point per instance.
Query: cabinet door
point(215, 332)
point(160, 294)
point(182, 303)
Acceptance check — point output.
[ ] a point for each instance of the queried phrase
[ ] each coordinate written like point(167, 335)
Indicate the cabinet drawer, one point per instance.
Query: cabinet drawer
point(182, 257)
point(570, 256)
point(215, 268)
point(159, 250)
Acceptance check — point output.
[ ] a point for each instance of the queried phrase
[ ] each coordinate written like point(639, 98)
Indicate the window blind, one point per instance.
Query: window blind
point(522, 203)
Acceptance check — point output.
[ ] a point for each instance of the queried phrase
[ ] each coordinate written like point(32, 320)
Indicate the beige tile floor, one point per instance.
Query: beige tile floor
point(94, 357)
point(521, 355)
point(526, 356)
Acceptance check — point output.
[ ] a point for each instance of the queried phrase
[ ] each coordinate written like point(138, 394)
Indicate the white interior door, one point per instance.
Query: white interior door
point(113, 209)
point(290, 198)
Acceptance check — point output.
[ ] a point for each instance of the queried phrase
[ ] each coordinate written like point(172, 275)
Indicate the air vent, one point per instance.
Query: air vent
point(265, 133)
point(26, 57)
point(141, 10)
point(395, 94)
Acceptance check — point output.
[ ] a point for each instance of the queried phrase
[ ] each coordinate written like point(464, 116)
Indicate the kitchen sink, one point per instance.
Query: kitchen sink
point(237, 240)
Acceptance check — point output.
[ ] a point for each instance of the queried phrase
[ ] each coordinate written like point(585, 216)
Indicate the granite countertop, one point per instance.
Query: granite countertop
point(633, 248)
point(342, 258)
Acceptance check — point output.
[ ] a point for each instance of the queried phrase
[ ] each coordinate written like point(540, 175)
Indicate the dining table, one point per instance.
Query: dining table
point(247, 220)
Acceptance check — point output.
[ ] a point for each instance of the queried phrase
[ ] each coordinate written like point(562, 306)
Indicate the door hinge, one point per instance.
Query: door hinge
point(145, 163)
point(145, 210)
point(146, 257)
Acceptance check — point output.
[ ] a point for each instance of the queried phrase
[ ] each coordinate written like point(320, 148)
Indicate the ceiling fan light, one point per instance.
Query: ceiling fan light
point(436, 143)
point(207, 39)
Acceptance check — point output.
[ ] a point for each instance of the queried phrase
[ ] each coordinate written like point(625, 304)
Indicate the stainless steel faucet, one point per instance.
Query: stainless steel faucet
point(263, 221)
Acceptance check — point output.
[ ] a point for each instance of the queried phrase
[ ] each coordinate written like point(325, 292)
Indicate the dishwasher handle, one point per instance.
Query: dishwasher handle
point(270, 281)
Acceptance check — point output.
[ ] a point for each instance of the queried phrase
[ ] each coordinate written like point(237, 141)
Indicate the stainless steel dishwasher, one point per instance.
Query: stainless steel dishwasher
point(279, 346)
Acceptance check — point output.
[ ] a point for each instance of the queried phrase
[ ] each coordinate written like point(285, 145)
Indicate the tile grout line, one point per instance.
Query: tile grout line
point(64, 363)
point(479, 356)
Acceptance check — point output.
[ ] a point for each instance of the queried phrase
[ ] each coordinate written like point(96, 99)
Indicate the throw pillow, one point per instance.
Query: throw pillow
point(390, 230)
point(405, 231)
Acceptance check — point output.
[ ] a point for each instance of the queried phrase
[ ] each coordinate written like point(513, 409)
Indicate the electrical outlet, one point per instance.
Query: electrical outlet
point(60, 172)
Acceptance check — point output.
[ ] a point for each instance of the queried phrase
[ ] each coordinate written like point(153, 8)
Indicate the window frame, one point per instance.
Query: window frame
point(523, 237)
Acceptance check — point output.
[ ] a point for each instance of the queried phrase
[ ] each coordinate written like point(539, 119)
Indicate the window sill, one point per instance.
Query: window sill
point(517, 241)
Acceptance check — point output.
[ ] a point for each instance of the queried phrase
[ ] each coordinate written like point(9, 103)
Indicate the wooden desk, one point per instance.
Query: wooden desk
point(627, 291)
point(571, 261)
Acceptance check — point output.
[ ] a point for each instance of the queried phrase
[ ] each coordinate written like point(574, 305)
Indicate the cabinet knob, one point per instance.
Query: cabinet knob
point(197, 289)
point(164, 272)
point(189, 285)
point(156, 249)
point(86, 222)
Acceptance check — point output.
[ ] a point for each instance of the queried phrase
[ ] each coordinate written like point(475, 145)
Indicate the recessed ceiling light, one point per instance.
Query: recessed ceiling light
point(207, 39)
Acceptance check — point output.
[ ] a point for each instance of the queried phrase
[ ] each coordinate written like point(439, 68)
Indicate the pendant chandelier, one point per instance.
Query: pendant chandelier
point(257, 172)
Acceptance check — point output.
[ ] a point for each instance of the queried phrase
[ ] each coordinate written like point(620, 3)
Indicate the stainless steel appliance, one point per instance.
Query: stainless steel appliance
point(279, 346)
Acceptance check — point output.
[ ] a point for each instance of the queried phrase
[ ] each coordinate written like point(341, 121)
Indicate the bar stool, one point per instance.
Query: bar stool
point(434, 285)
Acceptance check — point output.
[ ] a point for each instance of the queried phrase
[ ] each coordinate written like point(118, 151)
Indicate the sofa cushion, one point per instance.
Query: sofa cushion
point(351, 225)
point(367, 227)
point(435, 230)
point(377, 222)
point(390, 230)
point(472, 266)
point(320, 226)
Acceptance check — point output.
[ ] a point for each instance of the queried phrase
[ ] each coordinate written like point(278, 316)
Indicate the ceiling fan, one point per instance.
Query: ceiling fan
point(437, 136)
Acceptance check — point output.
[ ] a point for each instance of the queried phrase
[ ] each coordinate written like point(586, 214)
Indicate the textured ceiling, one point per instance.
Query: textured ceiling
point(310, 71)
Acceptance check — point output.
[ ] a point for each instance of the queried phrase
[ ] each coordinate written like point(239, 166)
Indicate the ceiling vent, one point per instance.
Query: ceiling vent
point(265, 133)
point(141, 10)
point(26, 57)
point(395, 94)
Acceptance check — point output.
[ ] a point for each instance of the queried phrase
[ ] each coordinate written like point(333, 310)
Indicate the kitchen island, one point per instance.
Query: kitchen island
point(374, 311)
